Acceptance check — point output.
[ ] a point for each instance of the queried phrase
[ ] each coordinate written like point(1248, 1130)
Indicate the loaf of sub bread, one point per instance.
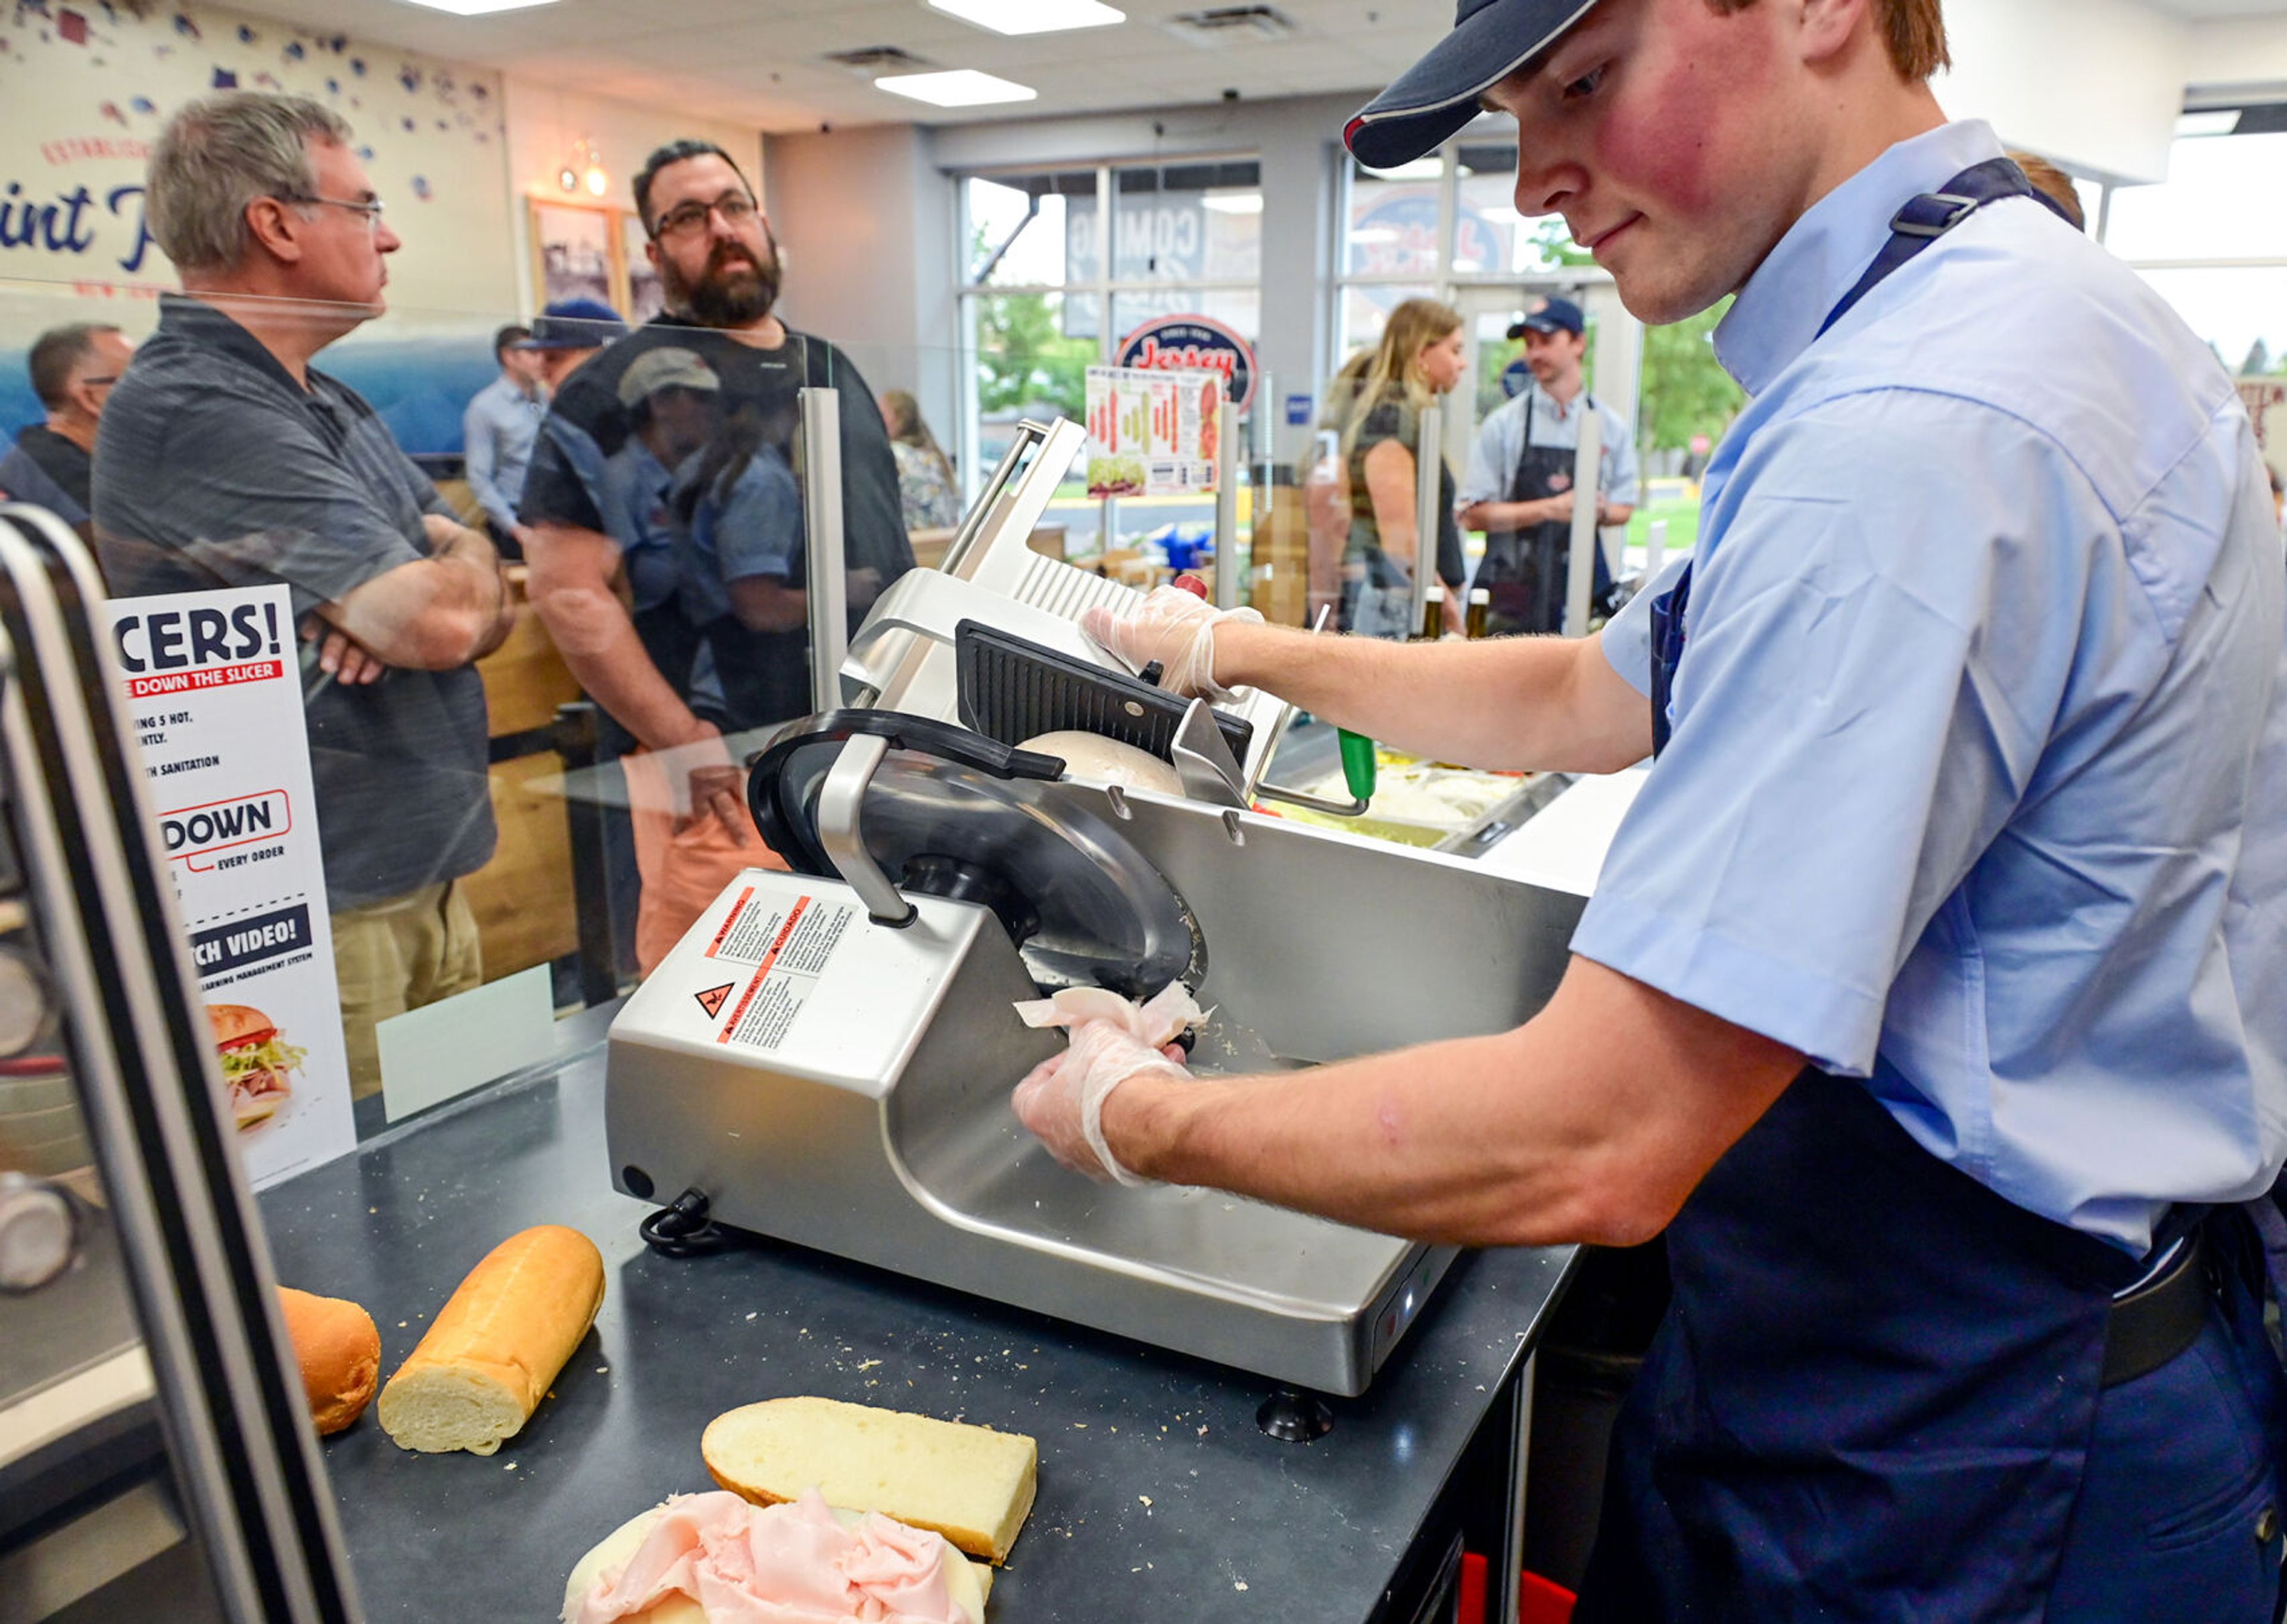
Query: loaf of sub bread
point(339, 1351)
point(969, 1483)
point(485, 1364)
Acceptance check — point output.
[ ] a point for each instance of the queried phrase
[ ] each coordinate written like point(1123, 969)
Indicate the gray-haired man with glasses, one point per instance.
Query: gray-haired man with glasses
point(225, 459)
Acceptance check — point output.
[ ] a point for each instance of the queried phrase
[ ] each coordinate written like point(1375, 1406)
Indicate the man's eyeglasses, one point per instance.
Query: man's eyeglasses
point(736, 208)
point(369, 207)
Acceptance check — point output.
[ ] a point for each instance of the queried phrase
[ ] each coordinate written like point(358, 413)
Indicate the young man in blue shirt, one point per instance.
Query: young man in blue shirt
point(1929, 999)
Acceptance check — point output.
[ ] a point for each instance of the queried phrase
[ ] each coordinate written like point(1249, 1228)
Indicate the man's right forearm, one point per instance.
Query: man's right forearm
point(570, 588)
point(1549, 704)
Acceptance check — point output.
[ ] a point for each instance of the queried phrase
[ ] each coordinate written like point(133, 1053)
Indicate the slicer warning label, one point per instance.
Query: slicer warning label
point(794, 951)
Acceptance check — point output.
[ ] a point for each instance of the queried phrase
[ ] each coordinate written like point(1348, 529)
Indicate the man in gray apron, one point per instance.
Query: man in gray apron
point(1519, 489)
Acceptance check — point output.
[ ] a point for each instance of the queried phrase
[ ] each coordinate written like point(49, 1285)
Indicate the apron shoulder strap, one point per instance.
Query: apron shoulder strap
point(1930, 216)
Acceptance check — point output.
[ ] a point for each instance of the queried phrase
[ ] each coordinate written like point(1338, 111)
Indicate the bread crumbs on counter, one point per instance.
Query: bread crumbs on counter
point(1145, 1500)
point(759, 1310)
point(510, 1467)
point(869, 1364)
point(1203, 1432)
point(1238, 1584)
point(1080, 1426)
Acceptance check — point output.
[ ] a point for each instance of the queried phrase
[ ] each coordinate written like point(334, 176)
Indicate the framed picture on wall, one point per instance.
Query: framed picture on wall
point(646, 297)
point(575, 254)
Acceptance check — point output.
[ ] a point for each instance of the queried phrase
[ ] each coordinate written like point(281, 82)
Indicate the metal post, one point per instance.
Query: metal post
point(1581, 574)
point(1655, 550)
point(1226, 581)
point(1428, 463)
point(821, 510)
point(576, 737)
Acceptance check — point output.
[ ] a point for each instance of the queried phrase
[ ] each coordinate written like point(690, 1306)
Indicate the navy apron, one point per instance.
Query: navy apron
point(1873, 1395)
point(1525, 572)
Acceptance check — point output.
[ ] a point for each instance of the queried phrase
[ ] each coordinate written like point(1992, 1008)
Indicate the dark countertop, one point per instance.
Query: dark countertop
point(1159, 1499)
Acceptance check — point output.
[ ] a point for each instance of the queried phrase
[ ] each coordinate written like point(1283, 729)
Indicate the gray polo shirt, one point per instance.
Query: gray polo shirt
point(216, 469)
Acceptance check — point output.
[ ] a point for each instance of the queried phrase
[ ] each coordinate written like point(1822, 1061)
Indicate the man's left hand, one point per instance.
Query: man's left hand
point(1061, 1099)
point(340, 655)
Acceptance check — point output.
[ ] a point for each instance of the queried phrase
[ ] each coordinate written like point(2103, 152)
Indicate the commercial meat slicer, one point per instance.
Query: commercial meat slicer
point(827, 1055)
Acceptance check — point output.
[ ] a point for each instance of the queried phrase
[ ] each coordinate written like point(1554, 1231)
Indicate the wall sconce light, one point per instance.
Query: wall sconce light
point(584, 169)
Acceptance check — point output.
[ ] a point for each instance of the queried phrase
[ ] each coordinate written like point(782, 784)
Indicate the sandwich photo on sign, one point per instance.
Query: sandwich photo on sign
point(256, 1062)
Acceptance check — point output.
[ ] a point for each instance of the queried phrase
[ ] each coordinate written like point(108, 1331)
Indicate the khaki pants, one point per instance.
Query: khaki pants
point(397, 955)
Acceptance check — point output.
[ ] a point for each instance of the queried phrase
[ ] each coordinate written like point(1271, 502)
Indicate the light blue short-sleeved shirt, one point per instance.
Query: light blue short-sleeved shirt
point(1978, 783)
point(1501, 439)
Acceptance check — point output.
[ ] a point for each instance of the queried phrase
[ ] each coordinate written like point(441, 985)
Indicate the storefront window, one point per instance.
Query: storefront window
point(1020, 231)
point(1392, 220)
point(2212, 239)
point(1043, 266)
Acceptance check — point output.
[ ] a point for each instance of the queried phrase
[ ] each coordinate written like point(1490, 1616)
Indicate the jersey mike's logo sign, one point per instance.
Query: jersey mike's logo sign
point(1193, 343)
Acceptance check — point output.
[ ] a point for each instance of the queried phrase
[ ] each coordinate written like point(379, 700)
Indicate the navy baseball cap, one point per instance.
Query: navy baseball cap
point(1552, 316)
point(1491, 40)
point(576, 324)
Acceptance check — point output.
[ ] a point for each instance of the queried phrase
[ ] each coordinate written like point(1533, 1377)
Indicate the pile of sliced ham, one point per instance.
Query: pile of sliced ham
point(792, 1563)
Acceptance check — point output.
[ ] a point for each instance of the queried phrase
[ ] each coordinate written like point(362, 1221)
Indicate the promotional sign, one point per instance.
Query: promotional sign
point(214, 695)
point(1193, 343)
point(1151, 433)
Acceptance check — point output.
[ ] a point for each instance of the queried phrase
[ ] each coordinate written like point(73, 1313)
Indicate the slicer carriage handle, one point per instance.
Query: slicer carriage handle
point(867, 738)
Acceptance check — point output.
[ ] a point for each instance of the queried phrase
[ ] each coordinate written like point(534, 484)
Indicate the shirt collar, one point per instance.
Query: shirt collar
point(185, 317)
point(1562, 410)
point(1785, 302)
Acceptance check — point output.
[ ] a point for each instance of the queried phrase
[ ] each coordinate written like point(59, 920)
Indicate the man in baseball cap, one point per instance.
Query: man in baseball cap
point(1519, 488)
point(1928, 999)
point(567, 331)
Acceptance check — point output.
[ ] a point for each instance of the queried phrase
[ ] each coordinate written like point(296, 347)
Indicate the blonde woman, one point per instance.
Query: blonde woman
point(1420, 358)
point(925, 482)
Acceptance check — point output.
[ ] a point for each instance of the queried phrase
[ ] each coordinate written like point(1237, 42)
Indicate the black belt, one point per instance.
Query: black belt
point(2159, 1320)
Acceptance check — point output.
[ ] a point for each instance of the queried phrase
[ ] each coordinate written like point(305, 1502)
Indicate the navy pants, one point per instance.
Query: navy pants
point(2179, 1514)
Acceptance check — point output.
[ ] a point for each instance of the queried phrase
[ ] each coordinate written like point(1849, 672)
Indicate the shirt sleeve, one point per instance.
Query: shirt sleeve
point(758, 527)
point(1487, 464)
point(564, 485)
point(1621, 484)
point(286, 509)
point(1627, 637)
point(1874, 646)
point(480, 452)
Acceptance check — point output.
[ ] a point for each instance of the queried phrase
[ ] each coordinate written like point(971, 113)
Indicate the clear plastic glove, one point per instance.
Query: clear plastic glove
point(1173, 627)
point(1061, 1099)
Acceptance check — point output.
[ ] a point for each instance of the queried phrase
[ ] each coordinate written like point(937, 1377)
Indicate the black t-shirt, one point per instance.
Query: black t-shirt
point(43, 467)
point(680, 443)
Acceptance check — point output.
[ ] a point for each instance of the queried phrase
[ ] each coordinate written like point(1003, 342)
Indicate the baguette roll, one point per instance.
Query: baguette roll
point(339, 1351)
point(485, 1364)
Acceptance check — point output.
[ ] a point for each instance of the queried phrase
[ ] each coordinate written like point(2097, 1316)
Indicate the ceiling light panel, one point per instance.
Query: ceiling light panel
point(1031, 16)
point(479, 8)
point(966, 88)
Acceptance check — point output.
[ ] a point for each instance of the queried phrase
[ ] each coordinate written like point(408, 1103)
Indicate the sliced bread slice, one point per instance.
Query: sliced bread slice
point(972, 1484)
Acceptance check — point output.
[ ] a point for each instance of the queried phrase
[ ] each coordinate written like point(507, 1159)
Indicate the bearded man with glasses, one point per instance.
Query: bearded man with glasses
point(226, 459)
point(684, 612)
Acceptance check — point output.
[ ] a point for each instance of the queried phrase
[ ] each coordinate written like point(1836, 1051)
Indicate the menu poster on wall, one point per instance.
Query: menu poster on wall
point(1151, 433)
point(213, 686)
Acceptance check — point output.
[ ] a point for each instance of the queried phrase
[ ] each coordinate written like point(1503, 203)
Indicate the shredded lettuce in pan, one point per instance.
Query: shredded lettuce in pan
point(276, 1054)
